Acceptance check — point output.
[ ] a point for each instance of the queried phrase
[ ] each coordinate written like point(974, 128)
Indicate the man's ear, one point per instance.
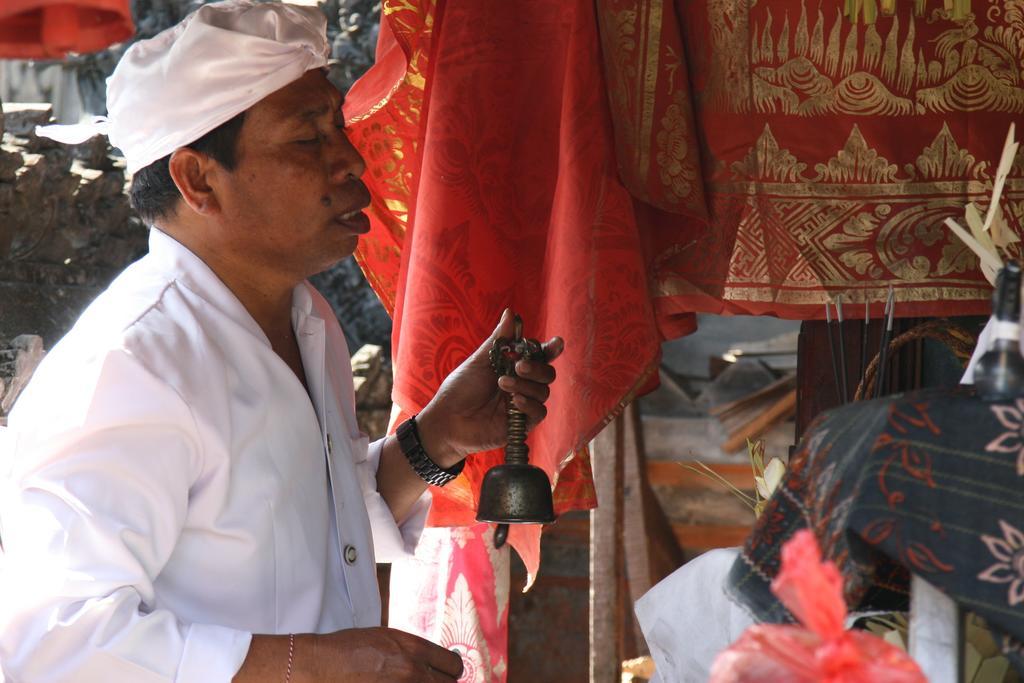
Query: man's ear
point(191, 172)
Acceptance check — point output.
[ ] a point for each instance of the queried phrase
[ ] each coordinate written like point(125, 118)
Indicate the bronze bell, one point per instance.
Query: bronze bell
point(516, 492)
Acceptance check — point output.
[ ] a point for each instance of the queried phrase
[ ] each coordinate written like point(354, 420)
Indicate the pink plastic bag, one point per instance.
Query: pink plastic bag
point(821, 650)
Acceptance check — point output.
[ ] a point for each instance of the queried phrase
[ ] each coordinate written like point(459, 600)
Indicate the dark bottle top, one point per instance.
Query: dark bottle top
point(999, 375)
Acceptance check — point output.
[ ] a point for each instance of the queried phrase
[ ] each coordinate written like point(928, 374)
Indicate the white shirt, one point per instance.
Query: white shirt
point(688, 618)
point(171, 485)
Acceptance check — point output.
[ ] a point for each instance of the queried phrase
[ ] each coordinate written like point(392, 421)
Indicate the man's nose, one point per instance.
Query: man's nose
point(345, 160)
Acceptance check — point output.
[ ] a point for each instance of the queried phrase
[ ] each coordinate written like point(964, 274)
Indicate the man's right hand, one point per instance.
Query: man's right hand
point(354, 655)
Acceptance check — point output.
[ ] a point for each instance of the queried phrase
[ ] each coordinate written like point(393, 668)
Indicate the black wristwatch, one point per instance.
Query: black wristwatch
point(412, 449)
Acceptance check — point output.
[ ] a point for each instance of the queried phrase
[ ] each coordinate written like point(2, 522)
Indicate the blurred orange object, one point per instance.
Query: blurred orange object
point(50, 29)
point(821, 650)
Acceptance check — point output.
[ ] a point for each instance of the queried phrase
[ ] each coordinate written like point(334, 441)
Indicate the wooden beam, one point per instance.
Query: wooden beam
point(674, 474)
point(777, 412)
point(778, 386)
point(707, 536)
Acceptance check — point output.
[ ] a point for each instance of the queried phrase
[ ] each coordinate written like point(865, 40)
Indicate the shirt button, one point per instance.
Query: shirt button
point(351, 554)
point(330, 445)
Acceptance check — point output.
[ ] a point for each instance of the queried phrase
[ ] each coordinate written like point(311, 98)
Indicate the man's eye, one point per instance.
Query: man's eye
point(310, 141)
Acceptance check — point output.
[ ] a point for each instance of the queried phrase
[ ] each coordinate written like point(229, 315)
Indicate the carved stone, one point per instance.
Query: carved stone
point(18, 362)
point(21, 118)
point(372, 380)
point(10, 163)
point(66, 230)
point(352, 28)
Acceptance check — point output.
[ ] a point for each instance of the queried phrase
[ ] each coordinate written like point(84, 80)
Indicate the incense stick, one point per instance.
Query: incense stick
point(883, 352)
point(842, 349)
point(832, 352)
point(864, 341)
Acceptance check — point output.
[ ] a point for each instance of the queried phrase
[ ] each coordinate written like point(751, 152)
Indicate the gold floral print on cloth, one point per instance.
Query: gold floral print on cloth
point(830, 152)
point(868, 10)
point(383, 123)
point(856, 221)
point(819, 64)
point(648, 90)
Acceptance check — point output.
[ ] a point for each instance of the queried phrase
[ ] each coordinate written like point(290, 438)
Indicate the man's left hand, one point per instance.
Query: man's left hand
point(468, 413)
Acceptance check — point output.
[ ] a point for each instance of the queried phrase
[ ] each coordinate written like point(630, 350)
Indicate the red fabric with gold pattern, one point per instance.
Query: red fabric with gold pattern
point(493, 169)
point(50, 29)
point(828, 152)
point(649, 94)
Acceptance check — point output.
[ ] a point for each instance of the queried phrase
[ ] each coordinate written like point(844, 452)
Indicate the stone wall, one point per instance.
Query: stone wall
point(62, 205)
point(66, 230)
point(66, 227)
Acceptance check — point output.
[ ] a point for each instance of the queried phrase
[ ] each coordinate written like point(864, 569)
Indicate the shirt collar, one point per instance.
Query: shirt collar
point(191, 271)
point(302, 300)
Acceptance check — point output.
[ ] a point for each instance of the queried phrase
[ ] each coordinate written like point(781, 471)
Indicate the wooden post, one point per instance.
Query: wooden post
point(649, 543)
point(607, 557)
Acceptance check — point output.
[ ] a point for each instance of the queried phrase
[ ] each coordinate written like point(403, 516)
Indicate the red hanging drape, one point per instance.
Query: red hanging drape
point(50, 29)
point(495, 184)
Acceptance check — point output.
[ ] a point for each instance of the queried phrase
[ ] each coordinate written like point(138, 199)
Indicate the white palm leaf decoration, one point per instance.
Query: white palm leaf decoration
point(989, 236)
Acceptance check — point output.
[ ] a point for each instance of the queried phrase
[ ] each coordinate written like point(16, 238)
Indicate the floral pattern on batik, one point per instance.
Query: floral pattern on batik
point(1010, 416)
point(902, 485)
point(1009, 551)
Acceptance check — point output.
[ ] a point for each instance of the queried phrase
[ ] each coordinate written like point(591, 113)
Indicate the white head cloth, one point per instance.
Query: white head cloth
point(170, 90)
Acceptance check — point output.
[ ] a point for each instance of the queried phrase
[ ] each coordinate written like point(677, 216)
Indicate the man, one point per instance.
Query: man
point(189, 497)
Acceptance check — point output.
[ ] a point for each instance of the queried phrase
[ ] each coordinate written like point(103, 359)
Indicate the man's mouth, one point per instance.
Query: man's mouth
point(354, 218)
point(356, 221)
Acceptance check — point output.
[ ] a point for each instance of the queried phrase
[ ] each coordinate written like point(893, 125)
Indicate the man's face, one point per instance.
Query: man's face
point(293, 202)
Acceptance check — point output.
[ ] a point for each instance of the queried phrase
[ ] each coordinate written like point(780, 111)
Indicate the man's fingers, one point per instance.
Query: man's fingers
point(535, 410)
point(516, 385)
point(435, 676)
point(505, 328)
point(553, 349)
point(436, 657)
point(444, 662)
point(535, 371)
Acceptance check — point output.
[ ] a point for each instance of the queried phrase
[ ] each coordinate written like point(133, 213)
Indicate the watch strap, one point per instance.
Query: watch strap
point(428, 470)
